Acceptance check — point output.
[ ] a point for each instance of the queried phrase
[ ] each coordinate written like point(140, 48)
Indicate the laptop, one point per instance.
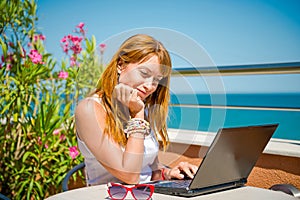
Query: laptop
point(227, 163)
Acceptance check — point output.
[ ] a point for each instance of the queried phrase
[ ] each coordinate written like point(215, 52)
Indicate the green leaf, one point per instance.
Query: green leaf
point(6, 107)
point(25, 109)
point(4, 47)
point(30, 154)
point(19, 103)
point(42, 116)
point(30, 188)
point(94, 42)
point(40, 189)
point(17, 82)
point(23, 184)
point(15, 117)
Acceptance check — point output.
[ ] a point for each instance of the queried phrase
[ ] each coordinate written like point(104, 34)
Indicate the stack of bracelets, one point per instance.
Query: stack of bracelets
point(137, 125)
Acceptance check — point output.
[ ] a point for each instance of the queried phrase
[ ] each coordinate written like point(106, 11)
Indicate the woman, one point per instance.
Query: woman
point(119, 125)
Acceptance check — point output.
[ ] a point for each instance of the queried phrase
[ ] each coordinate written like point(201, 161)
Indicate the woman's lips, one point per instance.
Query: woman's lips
point(142, 94)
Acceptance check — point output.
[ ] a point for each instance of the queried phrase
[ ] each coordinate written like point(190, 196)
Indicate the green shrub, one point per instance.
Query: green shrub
point(38, 96)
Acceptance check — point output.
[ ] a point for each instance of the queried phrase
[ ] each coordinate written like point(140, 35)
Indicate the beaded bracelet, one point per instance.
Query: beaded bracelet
point(137, 125)
point(163, 174)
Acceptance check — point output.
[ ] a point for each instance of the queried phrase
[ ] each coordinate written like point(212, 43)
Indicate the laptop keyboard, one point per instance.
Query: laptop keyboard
point(176, 183)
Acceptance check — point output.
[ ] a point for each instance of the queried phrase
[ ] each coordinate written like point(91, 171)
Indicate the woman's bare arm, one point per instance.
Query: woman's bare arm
point(123, 164)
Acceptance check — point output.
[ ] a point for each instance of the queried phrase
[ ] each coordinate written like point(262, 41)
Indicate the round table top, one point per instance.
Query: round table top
point(245, 193)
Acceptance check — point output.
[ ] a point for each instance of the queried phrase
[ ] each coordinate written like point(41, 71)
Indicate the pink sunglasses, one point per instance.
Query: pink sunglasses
point(118, 191)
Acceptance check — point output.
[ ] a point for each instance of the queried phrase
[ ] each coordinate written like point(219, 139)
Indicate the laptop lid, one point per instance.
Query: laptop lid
point(232, 155)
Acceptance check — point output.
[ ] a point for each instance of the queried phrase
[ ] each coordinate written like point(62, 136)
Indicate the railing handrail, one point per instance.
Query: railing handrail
point(236, 107)
point(244, 69)
point(275, 146)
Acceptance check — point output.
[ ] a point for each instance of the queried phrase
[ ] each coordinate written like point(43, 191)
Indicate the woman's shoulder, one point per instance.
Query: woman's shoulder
point(89, 104)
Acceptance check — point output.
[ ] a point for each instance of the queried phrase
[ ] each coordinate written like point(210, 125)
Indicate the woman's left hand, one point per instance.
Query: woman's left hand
point(129, 98)
point(182, 170)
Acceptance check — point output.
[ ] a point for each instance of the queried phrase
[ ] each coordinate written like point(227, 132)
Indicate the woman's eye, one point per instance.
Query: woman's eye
point(144, 73)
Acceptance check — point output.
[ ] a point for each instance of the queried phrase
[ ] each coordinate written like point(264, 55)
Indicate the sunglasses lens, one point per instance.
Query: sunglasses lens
point(117, 192)
point(142, 192)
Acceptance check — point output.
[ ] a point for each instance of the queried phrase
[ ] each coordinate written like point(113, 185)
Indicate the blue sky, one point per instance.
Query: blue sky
point(228, 32)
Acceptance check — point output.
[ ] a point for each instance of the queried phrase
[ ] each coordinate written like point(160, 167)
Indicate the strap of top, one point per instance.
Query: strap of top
point(96, 98)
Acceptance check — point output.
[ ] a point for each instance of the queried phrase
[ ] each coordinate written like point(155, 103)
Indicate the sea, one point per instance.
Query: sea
point(209, 112)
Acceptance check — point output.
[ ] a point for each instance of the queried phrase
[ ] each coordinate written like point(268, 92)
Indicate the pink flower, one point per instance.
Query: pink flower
point(46, 146)
point(80, 25)
point(71, 42)
point(39, 141)
point(35, 57)
point(56, 132)
point(73, 61)
point(81, 30)
point(76, 49)
point(8, 67)
point(73, 152)
point(64, 39)
point(62, 137)
point(40, 36)
point(66, 48)
point(102, 47)
point(76, 40)
point(63, 75)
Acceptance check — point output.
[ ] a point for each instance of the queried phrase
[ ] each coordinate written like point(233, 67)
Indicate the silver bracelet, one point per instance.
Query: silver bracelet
point(137, 125)
point(136, 135)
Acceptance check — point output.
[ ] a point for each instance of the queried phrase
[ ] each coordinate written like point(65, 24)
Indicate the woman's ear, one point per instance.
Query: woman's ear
point(120, 66)
point(120, 69)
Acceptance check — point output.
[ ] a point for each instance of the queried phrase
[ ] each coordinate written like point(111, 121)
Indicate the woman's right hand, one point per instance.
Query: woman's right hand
point(181, 171)
point(129, 98)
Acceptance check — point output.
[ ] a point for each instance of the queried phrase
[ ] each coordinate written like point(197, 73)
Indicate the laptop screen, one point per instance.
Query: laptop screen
point(232, 155)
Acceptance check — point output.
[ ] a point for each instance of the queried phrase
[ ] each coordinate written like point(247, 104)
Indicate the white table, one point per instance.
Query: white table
point(244, 193)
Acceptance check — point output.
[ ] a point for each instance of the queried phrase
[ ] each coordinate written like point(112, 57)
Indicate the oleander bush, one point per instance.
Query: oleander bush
point(38, 95)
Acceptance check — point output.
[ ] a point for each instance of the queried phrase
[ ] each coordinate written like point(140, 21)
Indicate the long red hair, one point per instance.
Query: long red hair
point(137, 49)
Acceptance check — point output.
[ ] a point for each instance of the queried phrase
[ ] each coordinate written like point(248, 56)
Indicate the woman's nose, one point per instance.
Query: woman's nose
point(149, 83)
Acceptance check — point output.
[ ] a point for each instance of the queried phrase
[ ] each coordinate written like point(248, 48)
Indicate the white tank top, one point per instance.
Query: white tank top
point(96, 174)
